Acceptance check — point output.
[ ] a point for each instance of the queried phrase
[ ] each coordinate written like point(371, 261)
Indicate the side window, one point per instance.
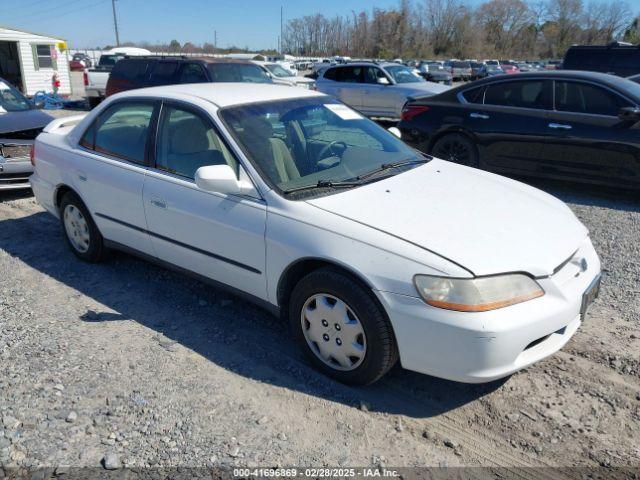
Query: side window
point(163, 73)
point(523, 94)
point(193, 73)
point(372, 74)
point(586, 98)
point(474, 95)
point(186, 142)
point(331, 74)
point(121, 131)
point(349, 74)
point(133, 70)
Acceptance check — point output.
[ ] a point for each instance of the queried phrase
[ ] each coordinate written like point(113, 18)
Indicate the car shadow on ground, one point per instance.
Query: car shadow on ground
point(227, 331)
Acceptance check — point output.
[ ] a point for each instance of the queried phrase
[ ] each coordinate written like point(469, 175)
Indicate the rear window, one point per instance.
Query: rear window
point(460, 64)
point(131, 70)
point(237, 72)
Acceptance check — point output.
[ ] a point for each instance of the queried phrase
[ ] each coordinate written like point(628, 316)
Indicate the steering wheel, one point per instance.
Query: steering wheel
point(329, 148)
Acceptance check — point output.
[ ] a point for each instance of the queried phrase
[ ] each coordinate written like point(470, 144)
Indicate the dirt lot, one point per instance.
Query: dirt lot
point(147, 367)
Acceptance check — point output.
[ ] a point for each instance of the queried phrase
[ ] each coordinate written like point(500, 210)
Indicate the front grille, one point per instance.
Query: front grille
point(542, 339)
point(10, 152)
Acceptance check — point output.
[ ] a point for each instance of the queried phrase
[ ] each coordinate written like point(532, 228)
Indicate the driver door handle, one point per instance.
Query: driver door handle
point(482, 116)
point(560, 125)
point(158, 202)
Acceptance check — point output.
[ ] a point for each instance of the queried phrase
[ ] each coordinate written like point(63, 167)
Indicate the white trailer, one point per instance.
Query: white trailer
point(29, 61)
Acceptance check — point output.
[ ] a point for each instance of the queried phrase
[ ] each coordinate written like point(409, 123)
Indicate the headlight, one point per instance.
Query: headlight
point(477, 294)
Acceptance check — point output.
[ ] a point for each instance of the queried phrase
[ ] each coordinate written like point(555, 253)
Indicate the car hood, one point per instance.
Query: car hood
point(13, 123)
point(425, 87)
point(483, 222)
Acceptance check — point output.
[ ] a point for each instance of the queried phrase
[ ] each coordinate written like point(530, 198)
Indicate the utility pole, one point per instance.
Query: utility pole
point(115, 22)
point(281, 29)
point(215, 42)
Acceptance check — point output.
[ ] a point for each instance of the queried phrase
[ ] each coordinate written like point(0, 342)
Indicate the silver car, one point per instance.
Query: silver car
point(20, 123)
point(375, 89)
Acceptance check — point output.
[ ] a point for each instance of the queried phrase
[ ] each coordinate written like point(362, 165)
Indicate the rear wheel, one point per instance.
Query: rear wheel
point(341, 328)
point(456, 148)
point(82, 234)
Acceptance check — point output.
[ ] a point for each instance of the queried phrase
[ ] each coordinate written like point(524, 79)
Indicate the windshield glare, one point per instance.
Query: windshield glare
point(11, 99)
point(297, 143)
point(279, 71)
point(402, 74)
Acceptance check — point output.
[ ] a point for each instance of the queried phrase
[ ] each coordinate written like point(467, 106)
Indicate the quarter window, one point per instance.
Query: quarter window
point(121, 131)
point(474, 95)
point(523, 94)
point(585, 98)
point(187, 142)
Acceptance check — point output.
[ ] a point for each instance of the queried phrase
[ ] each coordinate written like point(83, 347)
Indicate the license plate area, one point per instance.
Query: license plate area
point(590, 294)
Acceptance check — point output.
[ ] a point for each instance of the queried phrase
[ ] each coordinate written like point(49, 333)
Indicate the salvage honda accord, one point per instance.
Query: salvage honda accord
point(372, 251)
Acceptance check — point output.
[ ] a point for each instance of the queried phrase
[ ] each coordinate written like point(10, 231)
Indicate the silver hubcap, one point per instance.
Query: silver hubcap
point(333, 331)
point(77, 228)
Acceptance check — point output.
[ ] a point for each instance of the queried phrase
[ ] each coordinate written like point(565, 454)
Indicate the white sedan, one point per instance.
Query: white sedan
point(372, 251)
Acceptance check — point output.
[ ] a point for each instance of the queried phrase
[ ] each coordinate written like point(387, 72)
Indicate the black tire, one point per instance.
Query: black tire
point(96, 249)
point(381, 351)
point(457, 148)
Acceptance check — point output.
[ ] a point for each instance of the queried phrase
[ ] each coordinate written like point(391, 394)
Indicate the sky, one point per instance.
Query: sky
point(243, 23)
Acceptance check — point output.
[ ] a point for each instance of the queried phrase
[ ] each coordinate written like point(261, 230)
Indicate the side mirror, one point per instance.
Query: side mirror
point(629, 114)
point(222, 179)
point(395, 131)
point(383, 81)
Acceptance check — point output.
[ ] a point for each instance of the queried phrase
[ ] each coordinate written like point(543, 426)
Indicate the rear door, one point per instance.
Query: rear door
point(510, 122)
point(110, 181)
point(585, 138)
point(345, 83)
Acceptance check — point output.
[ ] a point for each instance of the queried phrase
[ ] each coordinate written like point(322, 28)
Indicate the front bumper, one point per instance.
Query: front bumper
point(14, 173)
point(95, 92)
point(481, 347)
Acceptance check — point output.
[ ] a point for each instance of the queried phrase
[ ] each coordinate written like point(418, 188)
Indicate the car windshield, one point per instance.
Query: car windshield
point(461, 65)
point(300, 142)
point(11, 99)
point(278, 71)
point(402, 74)
point(237, 72)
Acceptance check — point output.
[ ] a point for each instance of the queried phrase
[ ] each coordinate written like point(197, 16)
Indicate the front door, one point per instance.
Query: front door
point(586, 139)
point(510, 120)
point(217, 236)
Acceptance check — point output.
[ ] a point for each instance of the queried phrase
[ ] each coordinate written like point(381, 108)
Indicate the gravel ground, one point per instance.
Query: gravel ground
point(126, 364)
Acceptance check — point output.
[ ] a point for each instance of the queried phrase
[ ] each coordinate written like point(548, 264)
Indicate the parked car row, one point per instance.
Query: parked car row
point(372, 252)
point(578, 126)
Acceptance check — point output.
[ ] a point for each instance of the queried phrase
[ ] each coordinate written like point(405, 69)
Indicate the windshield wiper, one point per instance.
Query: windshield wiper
point(322, 184)
point(389, 166)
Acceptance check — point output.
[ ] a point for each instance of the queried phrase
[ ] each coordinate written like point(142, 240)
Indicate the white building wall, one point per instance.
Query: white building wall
point(36, 80)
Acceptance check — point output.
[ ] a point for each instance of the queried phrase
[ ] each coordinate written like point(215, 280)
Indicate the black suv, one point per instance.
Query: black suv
point(152, 71)
point(616, 58)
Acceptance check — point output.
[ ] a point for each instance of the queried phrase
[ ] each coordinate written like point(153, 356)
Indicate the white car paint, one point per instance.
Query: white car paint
point(438, 219)
point(290, 81)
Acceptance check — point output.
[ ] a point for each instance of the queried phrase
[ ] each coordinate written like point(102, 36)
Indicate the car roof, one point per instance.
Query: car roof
point(225, 94)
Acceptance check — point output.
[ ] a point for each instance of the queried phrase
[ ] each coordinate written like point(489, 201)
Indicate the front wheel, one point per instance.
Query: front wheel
point(341, 328)
point(456, 148)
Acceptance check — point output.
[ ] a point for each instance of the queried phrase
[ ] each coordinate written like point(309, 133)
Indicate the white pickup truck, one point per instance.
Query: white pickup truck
point(97, 78)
